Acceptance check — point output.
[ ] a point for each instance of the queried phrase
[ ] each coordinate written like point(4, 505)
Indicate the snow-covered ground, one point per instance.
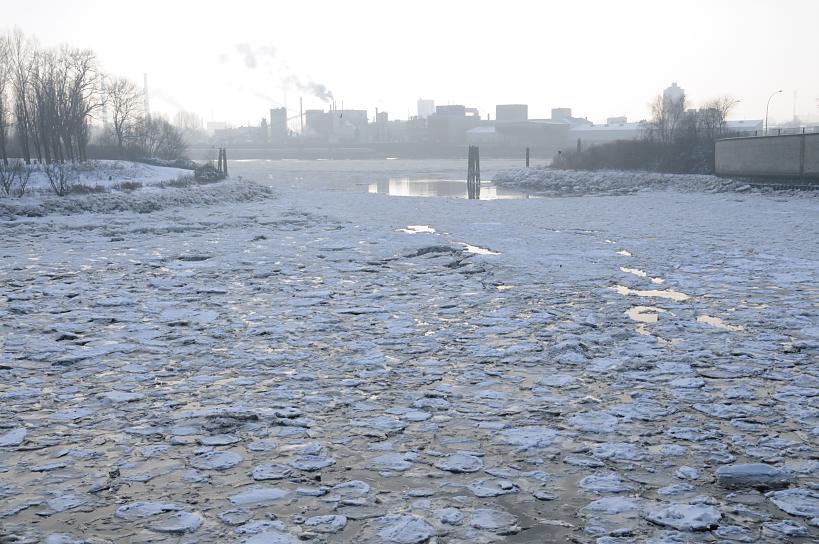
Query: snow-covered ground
point(330, 366)
point(578, 182)
point(108, 174)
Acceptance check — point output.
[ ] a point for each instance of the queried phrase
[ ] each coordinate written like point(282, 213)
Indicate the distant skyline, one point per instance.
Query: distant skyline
point(233, 61)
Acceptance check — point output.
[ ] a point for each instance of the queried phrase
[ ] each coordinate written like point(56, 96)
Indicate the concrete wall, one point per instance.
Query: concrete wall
point(791, 156)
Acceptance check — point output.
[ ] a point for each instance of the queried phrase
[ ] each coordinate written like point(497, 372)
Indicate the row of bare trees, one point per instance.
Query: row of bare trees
point(684, 137)
point(50, 94)
point(672, 120)
point(48, 98)
point(135, 134)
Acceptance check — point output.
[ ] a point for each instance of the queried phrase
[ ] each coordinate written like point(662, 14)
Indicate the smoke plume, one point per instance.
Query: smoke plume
point(255, 56)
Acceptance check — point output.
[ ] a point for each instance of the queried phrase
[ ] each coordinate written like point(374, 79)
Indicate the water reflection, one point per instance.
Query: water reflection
point(452, 188)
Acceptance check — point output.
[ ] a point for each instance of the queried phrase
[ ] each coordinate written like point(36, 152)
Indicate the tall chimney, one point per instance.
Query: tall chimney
point(147, 103)
point(301, 116)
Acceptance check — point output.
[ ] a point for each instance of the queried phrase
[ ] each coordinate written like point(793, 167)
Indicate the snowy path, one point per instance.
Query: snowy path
point(305, 369)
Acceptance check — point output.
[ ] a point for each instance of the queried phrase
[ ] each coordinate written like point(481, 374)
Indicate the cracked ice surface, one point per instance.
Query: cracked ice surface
point(299, 369)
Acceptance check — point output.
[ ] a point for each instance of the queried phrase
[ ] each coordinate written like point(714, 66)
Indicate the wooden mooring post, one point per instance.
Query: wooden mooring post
point(221, 163)
point(473, 174)
point(527, 157)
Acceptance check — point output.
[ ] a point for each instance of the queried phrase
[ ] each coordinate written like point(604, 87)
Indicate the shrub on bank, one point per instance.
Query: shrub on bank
point(680, 157)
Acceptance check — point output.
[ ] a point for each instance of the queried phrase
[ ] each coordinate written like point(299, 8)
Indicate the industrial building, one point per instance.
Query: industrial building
point(278, 131)
point(449, 124)
point(425, 108)
point(445, 128)
point(620, 129)
point(511, 112)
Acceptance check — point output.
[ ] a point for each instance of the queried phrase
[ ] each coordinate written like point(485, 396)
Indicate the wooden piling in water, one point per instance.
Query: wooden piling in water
point(473, 174)
point(527, 157)
point(224, 159)
point(469, 164)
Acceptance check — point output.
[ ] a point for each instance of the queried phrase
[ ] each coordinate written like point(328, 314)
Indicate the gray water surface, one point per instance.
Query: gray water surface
point(393, 177)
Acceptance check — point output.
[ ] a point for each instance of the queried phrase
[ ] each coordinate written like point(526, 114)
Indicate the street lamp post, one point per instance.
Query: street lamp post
point(766, 109)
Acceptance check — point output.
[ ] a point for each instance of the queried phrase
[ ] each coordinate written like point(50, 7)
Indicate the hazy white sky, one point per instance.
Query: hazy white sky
point(233, 60)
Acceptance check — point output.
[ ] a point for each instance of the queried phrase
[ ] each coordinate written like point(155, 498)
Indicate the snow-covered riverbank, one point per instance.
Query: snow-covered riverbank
point(107, 174)
point(576, 182)
point(144, 200)
point(335, 367)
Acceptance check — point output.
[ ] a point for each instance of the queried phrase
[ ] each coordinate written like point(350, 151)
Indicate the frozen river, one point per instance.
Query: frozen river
point(398, 177)
point(329, 364)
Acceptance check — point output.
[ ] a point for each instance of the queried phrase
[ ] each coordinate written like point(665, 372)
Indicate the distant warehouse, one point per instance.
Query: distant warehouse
point(615, 129)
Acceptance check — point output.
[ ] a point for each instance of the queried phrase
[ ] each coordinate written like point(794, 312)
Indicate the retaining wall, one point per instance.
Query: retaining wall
point(789, 156)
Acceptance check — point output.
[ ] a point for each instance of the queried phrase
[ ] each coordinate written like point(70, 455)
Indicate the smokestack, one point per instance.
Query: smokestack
point(147, 103)
point(301, 116)
point(104, 91)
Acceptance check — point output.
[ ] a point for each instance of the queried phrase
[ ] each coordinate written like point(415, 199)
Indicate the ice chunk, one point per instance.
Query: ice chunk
point(620, 451)
point(613, 505)
point(492, 487)
point(393, 461)
point(797, 501)
point(756, 475)
point(143, 509)
point(528, 437)
point(497, 521)
point(594, 422)
point(258, 495)
point(405, 529)
point(604, 483)
point(178, 523)
point(326, 524)
point(271, 471)
point(460, 463)
point(311, 463)
point(216, 460)
point(686, 517)
point(14, 437)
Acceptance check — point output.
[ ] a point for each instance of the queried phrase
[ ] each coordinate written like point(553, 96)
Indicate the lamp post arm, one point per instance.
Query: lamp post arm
point(768, 105)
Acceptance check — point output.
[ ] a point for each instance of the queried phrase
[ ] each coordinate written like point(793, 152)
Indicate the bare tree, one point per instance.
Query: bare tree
point(5, 107)
point(156, 137)
point(125, 102)
point(23, 175)
point(84, 98)
point(187, 120)
point(60, 176)
point(714, 114)
point(7, 176)
point(667, 115)
point(47, 92)
point(191, 125)
point(20, 50)
point(14, 171)
point(174, 142)
point(57, 92)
